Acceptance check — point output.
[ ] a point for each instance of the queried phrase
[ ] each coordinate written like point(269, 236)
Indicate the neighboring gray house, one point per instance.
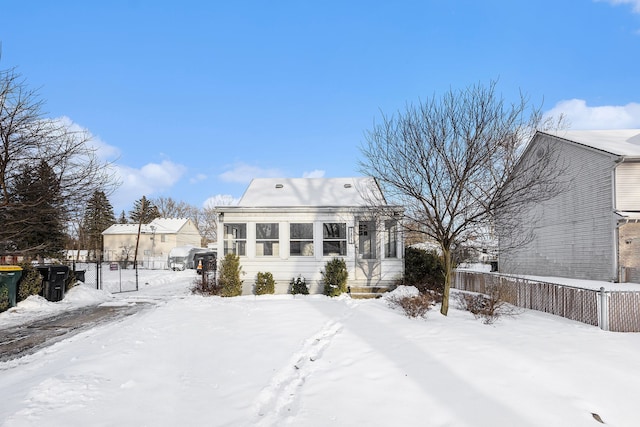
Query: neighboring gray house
point(292, 227)
point(592, 229)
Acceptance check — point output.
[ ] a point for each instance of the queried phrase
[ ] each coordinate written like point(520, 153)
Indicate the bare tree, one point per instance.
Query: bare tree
point(450, 162)
point(27, 138)
point(170, 208)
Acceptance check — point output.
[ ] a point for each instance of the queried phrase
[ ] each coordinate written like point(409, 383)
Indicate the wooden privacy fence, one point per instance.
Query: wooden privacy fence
point(617, 311)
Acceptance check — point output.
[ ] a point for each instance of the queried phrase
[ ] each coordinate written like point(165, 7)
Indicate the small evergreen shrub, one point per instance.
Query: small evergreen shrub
point(229, 280)
point(265, 284)
point(4, 299)
point(299, 286)
point(30, 282)
point(424, 270)
point(334, 277)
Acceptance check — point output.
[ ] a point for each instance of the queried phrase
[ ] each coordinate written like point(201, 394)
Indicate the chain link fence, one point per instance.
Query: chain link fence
point(617, 311)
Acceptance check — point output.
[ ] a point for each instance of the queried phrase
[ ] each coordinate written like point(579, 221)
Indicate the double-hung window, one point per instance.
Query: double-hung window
point(301, 239)
point(267, 239)
point(334, 238)
point(235, 239)
point(391, 241)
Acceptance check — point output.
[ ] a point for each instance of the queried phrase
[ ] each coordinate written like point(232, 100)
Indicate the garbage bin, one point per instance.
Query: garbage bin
point(9, 277)
point(53, 281)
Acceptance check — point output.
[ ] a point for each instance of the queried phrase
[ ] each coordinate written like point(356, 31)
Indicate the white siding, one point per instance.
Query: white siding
point(628, 187)
point(284, 266)
point(575, 231)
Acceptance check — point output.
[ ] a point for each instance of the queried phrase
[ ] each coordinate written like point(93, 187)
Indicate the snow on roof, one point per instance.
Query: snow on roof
point(316, 192)
point(158, 225)
point(621, 142)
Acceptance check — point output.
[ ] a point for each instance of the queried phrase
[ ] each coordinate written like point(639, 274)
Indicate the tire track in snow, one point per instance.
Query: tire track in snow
point(280, 398)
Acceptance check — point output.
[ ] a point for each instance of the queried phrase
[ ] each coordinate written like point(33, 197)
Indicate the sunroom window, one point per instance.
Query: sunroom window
point(334, 238)
point(235, 239)
point(301, 239)
point(267, 243)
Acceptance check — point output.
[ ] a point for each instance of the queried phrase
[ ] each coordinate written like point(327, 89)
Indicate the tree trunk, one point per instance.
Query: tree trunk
point(446, 255)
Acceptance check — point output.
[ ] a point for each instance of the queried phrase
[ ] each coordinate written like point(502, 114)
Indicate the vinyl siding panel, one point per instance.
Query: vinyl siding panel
point(628, 187)
point(574, 231)
point(284, 266)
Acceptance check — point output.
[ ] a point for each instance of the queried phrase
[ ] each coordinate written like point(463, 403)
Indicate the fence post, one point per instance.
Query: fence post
point(604, 310)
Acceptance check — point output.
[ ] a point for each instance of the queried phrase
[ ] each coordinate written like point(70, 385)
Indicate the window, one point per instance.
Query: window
point(391, 241)
point(334, 238)
point(163, 238)
point(267, 243)
point(235, 239)
point(301, 239)
point(367, 240)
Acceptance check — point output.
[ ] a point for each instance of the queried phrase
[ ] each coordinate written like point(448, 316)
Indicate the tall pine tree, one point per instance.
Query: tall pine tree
point(98, 216)
point(39, 212)
point(144, 211)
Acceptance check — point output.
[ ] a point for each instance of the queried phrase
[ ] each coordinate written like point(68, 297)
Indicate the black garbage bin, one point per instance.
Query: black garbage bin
point(54, 278)
point(79, 274)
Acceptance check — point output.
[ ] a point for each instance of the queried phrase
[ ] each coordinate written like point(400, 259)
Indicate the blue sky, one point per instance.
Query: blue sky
point(192, 99)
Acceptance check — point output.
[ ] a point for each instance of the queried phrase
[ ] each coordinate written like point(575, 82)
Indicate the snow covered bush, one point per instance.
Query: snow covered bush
point(265, 283)
point(206, 285)
point(334, 277)
point(411, 301)
point(488, 307)
point(229, 280)
point(299, 286)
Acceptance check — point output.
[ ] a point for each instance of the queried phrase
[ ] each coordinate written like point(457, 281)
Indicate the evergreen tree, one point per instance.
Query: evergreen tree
point(39, 212)
point(144, 211)
point(98, 216)
point(123, 218)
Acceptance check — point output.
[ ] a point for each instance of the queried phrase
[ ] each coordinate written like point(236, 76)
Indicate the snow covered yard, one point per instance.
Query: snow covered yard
point(315, 361)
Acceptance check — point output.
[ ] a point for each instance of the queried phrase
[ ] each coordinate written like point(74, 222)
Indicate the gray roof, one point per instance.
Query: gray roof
point(312, 192)
point(158, 225)
point(621, 142)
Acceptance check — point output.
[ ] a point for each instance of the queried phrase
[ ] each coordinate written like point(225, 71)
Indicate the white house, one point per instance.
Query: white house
point(156, 240)
point(592, 229)
point(292, 227)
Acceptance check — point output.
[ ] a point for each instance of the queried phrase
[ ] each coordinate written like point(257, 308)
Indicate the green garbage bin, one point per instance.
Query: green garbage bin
point(9, 277)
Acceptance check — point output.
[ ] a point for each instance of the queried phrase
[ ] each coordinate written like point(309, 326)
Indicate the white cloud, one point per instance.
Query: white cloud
point(634, 3)
point(244, 173)
point(581, 116)
point(316, 173)
point(150, 179)
point(104, 151)
point(198, 178)
point(220, 200)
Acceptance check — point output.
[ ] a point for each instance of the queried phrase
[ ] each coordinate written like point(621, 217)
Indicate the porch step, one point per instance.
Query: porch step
point(365, 292)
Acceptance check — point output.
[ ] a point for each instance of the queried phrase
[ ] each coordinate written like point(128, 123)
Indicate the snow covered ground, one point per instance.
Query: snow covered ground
point(315, 361)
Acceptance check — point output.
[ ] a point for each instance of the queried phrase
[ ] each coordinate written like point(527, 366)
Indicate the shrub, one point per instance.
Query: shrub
point(488, 307)
point(206, 285)
point(424, 270)
point(412, 305)
point(334, 277)
point(4, 299)
point(265, 284)
point(229, 280)
point(299, 286)
point(30, 282)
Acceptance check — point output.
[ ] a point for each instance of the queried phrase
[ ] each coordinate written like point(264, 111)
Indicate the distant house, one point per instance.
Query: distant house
point(156, 240)
point(591, 230)
point(292, 227)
